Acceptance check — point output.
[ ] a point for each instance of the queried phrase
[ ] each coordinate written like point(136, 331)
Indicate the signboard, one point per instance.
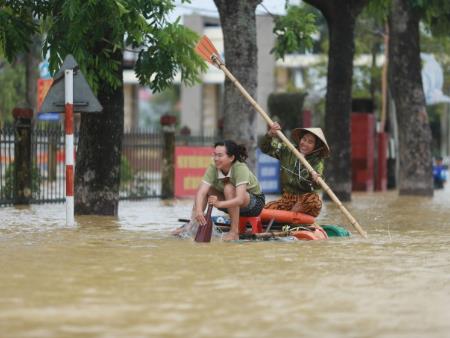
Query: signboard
point(191, 163)
point(190, 166)
point(268, 173)
point(84, 100)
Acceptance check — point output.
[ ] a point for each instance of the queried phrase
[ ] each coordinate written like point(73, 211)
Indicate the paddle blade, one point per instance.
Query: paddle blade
point(206, 50)
point(204, 232)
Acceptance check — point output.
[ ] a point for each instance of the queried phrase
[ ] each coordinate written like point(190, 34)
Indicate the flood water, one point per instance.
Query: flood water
point(128, 277)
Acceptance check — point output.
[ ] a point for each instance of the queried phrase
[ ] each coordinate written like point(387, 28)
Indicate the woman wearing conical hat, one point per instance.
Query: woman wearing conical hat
point(299, 187)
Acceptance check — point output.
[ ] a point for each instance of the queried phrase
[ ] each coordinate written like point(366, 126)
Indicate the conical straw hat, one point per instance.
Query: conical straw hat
point(298, 133)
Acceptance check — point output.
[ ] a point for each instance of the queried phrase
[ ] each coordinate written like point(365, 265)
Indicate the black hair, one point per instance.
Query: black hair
point(319, 144)
point(237, 150)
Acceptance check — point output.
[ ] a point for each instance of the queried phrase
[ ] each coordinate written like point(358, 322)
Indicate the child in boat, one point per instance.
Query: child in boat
point(229, 185)
point(299, 187)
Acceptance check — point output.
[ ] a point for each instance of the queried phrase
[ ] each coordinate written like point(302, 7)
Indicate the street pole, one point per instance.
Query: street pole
point(68, 100)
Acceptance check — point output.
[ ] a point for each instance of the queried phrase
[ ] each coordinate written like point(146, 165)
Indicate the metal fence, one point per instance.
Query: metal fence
point(48, 169)
point(140, 163)
point(6, 164)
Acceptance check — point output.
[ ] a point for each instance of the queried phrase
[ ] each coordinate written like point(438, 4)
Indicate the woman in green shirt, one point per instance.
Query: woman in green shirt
point(299, 187)
point(229, 185)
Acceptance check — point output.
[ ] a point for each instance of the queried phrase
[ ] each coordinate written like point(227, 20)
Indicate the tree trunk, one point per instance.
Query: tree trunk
point(340, 16)
point(238, 22)
point(97, 170)
point(32, 60)
point(415, 174)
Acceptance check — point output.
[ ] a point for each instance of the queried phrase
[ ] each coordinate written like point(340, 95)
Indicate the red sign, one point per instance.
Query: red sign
point(43, 85)
point(190, 166)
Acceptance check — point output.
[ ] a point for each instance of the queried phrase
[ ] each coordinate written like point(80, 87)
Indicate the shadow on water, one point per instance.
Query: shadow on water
point(128, 277)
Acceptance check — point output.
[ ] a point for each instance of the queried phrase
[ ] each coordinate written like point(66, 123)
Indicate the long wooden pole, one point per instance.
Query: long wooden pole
point(302, 159)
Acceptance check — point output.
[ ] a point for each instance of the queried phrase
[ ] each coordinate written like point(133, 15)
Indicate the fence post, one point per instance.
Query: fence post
point(22, 155)
point(53, 138)
point(168, 170)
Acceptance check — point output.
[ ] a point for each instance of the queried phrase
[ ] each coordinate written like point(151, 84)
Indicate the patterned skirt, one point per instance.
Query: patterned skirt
point(309, 203)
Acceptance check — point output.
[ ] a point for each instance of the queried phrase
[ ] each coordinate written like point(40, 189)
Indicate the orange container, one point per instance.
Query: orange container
point(284, 216)
point(315, 235)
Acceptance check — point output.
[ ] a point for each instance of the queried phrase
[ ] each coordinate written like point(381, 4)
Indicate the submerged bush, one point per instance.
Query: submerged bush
point(7, 190)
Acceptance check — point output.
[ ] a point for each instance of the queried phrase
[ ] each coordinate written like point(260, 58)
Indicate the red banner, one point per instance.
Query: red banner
point(190, 166)
point(43, 85)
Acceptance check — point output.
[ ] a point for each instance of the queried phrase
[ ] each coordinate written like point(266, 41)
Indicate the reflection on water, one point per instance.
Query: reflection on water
point(128, 277)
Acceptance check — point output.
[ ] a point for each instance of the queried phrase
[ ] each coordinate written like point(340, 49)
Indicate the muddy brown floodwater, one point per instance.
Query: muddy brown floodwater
point(128, 277)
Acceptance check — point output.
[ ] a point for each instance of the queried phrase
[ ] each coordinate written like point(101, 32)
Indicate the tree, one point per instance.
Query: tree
point(415, 174)
point(32, 59)
point(238, 21)
point(340, 16)
point(97, 32)
point(405, 18)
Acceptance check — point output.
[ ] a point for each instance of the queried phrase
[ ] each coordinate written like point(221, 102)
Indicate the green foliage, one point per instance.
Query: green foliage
point(294, 31)
point(435, 14)
point(437, 17)
point(369, 33)
point(12, 89)
point(126, 172)
point(172, 46)
point(361, 82)
point(97, 32)
point(378, 10)
point(369, 42)
point(16, 29)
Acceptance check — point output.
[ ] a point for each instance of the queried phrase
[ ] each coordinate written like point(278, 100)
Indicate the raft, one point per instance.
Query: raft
point(308, 233)
point(301, 226)
point(312, 233)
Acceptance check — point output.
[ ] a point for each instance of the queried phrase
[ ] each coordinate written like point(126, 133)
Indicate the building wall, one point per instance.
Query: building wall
point(210, 109)
point(266, 66)
point(191, 103)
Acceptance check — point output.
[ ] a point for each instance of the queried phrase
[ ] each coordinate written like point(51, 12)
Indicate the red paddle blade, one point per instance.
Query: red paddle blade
point(204, 232)
point(206, 50)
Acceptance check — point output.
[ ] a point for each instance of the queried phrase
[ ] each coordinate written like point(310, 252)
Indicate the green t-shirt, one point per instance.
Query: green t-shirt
point(239, 174)
point(294, 177)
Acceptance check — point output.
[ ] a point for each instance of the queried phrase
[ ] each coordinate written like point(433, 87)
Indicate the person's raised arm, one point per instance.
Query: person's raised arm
point(272, 132)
